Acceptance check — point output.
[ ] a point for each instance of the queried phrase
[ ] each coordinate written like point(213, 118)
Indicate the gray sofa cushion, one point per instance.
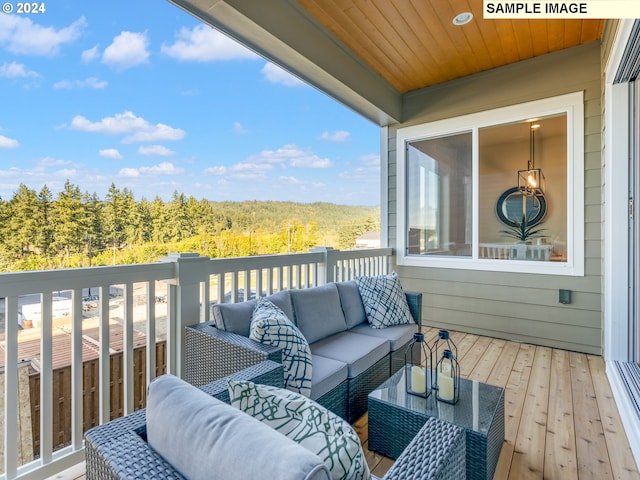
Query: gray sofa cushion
point(358, 351)
point(236, 317)
point(318, 312)
point(327, 375)
point(398, 335)
point(351, 302)
point(199, 434)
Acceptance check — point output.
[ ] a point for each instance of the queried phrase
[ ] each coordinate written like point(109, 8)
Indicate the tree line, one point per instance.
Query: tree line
point(73, 228)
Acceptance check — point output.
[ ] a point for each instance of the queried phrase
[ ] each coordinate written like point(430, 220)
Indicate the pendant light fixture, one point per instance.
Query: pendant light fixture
point(531, 181)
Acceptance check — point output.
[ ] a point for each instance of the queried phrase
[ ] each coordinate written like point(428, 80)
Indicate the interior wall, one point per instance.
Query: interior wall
point(515, 306)
point(499, 164)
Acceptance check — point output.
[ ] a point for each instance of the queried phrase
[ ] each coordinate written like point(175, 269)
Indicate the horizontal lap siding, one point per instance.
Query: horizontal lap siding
point(515, 306)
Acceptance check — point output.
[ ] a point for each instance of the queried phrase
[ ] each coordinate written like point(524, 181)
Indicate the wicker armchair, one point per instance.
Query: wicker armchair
point(119, 450)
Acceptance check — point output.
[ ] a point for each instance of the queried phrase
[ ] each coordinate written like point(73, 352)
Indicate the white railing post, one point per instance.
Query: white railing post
point(326, 269)
point(190, 271)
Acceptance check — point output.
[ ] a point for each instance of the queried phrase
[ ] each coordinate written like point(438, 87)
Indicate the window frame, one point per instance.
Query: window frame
point(572, 105)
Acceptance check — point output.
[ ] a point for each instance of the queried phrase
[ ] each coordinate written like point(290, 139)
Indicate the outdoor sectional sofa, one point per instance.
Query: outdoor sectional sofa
point(208, 439)
point(350, 358)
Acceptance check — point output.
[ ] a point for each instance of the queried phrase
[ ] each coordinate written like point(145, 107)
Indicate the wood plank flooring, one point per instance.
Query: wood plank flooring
point(561, 421)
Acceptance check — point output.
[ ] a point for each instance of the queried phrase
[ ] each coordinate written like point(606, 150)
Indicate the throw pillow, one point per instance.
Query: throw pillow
point(384, 301)
point(307, 423)
point(270, 326)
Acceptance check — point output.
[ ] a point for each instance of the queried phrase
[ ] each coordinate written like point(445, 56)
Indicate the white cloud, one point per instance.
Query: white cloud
point(339, 136)
point(164, 168)
point(45, 162)
point(290, 180)
point(91, 82)
point(66, 173)
point(139, 129)
point(217, 170)
point(301, 185)
point(16, 70)
point(19, 35)
point(293, 156)
point(368, 171)
point(240, 171)
point(238, 129)
point(371, 160)
point(90, 54)
point(6, 142)
point(127, 50)
point(155, 150)
point(129, 173)
point(111, 154)
point(275, 74)
point(204, 44)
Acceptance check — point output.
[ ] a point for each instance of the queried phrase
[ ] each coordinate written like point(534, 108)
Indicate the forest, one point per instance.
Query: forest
point(74, 229)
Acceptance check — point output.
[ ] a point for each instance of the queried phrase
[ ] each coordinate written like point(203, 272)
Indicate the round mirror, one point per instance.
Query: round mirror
point(512, 205)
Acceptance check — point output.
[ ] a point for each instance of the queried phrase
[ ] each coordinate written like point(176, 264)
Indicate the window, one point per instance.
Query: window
point(439, 213)
point(460, 205)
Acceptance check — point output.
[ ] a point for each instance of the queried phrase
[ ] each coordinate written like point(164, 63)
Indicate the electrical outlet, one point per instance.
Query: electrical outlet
point(564, 296)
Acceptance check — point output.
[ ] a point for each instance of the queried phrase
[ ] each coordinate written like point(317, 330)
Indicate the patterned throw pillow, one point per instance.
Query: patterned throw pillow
point(270, 326)
point(384, 301)
point(307, 423)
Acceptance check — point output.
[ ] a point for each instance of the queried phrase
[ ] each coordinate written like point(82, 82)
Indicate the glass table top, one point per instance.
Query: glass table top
point(474, 411)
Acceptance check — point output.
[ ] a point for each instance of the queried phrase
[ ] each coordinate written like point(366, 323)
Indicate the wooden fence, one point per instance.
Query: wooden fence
point(91, 388)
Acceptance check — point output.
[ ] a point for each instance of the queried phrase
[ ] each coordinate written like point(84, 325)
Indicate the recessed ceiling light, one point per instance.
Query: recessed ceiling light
point(463, 18)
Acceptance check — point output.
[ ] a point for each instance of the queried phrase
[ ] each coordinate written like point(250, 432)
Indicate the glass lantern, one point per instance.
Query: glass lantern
point(417, 364)
point(443, 342)
point(447, 383)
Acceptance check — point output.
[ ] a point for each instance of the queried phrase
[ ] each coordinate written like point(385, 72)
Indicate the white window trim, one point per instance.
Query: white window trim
point(573, 105)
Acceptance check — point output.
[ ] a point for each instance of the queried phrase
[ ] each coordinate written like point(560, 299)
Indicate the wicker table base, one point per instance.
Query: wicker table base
point(395, 417)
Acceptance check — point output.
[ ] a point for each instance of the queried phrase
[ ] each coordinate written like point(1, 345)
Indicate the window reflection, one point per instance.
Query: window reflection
point(439, 196)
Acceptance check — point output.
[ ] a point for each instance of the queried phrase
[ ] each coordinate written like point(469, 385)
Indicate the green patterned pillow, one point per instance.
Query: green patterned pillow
point(307, 423)
point(270, 326)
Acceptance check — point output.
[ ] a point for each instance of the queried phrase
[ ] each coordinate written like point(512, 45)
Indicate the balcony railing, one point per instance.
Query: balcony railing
point(135, 307)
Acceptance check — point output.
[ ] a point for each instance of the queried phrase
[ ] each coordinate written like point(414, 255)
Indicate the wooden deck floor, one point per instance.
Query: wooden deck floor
point(561, 420)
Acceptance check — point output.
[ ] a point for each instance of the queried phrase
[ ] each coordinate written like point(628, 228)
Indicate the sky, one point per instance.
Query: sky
point(145, 96)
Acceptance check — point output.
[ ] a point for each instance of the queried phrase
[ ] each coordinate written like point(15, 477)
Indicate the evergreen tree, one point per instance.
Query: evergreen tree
point(179, 225)
point(22, 222)
point(70, 222)
point(144, 223)
point(159, 220)
point(44, 222)
point(115, 219)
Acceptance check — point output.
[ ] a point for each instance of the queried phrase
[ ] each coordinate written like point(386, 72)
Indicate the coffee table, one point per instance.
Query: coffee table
point(396, 416)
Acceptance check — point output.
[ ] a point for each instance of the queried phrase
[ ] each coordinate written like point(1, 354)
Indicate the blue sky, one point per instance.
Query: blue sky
point(145, 96)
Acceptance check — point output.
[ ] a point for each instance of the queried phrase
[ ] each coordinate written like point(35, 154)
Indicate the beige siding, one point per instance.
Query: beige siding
point(515, 306)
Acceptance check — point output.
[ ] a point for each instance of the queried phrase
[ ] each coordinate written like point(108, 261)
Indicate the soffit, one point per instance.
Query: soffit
point(414, 44)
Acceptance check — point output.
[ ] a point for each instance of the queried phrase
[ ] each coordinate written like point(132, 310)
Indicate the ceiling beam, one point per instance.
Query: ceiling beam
point(283, 33)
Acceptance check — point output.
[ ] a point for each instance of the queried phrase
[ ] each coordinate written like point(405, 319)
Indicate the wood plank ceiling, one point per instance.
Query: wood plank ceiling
point(414, 44)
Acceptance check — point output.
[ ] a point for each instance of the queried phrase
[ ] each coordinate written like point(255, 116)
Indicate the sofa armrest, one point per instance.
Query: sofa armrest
point(212, 353)
point(414, 300)
point(265, 373)
point(438, 451)
point(119, 449)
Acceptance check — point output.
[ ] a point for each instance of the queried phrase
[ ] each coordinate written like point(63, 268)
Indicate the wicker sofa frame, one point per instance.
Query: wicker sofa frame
point(212, 353)
point(118, 450)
